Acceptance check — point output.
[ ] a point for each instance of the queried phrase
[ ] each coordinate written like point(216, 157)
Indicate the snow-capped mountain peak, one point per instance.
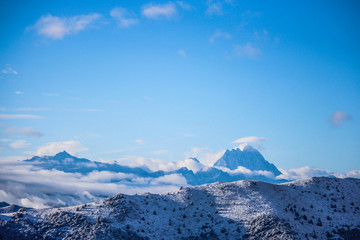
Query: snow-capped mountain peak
point(248, 157)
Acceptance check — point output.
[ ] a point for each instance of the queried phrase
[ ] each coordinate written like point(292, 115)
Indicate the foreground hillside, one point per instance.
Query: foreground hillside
point(315, 208)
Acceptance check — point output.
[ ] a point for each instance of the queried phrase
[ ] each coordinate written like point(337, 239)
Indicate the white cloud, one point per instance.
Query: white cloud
point(175, 179)
point(219, 34)
point(194, 152)
point(247, 50)
point(140, 141)
point(18, 92)
point(10, 160)
point(301, 173)
point(9, 70)
point(184, 6)
point(58, 27)
point(189, 135)
point(247, 172)
point(123, 17)
point(159, 152)
point(250, 139)
point(158, 11)
point(90, 110)
point(18, 144)
point(51, 94)
point(338, 117)
point(148, 98)
point(147, 163)
point(214, 8)
point(351, 174)
point(51, 148)
point(19, 116)
point(307, 172)
point(26, 185)
point(206, 156)
point(182, 53)
point(191, 165)
point(31, 109)
point(27, 131)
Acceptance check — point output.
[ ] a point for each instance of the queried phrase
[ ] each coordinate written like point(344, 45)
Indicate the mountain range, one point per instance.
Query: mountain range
point(66, 180)
point(248, 159)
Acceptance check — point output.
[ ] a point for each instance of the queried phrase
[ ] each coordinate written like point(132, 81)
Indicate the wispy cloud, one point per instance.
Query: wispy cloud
point(339, 117)
point(19, 116)
point(58, 27)
point(51, 94)
point(31, 109)
point(206, 156)
point(27, 131)
point(9, 70)
point(251, 139)
point(189, 135)
point(124, 18)
point(159, 152)
point(181, 53)
point(214, 8)
point(248, 50)
point(184, 5)
point(18, 144)
point(159, 11)
point(219, 34)
point(51, 148)
point(18, 92)
point(247, 16)
point(90, 110)
point(247, 172)
point(301, 173)
point(140, 141)
point(148, 98)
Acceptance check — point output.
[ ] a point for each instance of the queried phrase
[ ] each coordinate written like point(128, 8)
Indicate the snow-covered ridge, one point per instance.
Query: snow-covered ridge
point(320, 207)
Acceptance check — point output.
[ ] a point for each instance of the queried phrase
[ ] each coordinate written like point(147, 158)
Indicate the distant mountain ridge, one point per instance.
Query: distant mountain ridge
point(133, 179)
point(232, 159)
point(248, 157)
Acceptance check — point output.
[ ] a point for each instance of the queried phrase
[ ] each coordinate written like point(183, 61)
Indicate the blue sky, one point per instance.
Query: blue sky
point(169, 79)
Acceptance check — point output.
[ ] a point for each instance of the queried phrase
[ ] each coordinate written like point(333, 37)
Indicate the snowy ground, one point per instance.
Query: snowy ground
point(321, 208)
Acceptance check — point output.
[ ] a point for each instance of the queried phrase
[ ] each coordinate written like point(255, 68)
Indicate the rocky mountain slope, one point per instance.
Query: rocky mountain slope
point(315, 208)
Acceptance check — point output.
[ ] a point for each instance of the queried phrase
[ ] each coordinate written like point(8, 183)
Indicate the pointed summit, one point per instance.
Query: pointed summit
point(194, 159)
point(62, 155)
point(248, 157)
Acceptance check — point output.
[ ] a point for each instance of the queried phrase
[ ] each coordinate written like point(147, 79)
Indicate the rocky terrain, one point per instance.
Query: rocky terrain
point(314, 208)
